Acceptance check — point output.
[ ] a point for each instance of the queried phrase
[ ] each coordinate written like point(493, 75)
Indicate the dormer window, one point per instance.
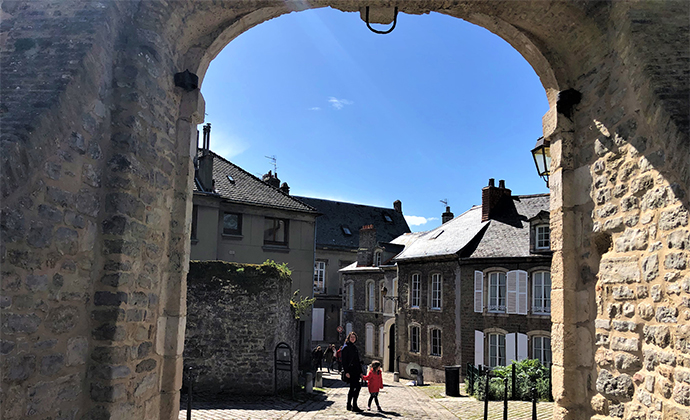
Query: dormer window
point(542, 237)
point(377, 258)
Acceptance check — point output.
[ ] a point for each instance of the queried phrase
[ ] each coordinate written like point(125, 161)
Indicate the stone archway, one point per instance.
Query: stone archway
point(96, 183)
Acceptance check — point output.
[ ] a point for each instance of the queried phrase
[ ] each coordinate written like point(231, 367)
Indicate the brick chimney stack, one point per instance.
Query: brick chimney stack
point(271, 179)
point(367, 243)
point(204, 172)
point(491, 196)
point(397, 205)
point(447, 216)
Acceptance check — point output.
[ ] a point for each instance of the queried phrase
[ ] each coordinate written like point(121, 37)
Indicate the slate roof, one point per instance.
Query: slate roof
point(506, 235)
point(234, 184)
point(336, 214)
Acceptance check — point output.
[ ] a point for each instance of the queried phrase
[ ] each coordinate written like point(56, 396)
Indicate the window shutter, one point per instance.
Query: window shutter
point(512, 292)
point(317, 324)
point(510, 348)
point(521, 346)
point(478, 348)
point(522, 292)
point(478, 291)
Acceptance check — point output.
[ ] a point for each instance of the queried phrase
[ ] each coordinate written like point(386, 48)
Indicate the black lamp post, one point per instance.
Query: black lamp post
point(542, 158)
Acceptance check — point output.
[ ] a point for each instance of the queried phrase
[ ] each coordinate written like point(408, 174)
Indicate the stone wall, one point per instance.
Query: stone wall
point(95, 142)
point(236, 316)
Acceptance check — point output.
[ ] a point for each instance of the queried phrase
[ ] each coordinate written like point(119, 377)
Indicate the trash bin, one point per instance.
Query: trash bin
point(452, 381)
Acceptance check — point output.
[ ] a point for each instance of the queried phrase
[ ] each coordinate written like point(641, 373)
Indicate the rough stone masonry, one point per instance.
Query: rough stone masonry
point(96, 179)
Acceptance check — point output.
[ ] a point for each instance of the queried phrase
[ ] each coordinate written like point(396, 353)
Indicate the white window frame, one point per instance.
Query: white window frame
point(319, 277)
point(435, 348)
point(415, 291)
point(415, 338)
point(382, 339)
point(369, 340)
point(541, 347)
point(495, 358)
point(436, 291)
point(377, 258)
point(542, 237)
point(497, 300)
point(371, 296)
point(541, 300)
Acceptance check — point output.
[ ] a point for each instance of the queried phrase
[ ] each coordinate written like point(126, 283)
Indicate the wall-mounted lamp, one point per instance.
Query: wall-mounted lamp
point(542, 158)
point(384, 293)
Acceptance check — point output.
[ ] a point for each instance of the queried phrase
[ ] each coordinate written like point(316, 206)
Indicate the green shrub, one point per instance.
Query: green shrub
point(528, 373)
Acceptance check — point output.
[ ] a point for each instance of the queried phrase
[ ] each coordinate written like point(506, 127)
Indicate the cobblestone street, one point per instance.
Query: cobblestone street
point(399, 401)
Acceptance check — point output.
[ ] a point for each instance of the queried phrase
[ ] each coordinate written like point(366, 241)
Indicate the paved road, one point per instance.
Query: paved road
point(398, 401)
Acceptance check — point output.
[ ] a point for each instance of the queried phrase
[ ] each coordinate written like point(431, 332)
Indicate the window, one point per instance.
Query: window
point(346, 230)
point(387, 218)
point(348, 328)
point(435, 342)
point(543, 237)
point(350, 296)
point(371, 297)
point(377, 258)
point(497, 292)
point(275, 231)
point(369, 343)
point(436, 291)
point(414, 339)
point(541, 350)
point(541, 292)
point(415, 291)
point(497, 350)
point(232, 224)
point(381, 342)
point(195, 216)
point(319, 277)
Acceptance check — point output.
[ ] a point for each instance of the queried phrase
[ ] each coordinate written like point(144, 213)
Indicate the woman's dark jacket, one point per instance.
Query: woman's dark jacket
point(351, 362)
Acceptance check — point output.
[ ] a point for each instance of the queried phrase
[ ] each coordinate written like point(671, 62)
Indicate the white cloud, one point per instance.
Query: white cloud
point(315, 108)
point(418, 220)
point(339, 103)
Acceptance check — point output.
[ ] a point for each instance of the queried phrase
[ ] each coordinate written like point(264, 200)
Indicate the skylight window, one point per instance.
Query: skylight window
point(231, 179)
point(436, 235)
point(387, 218)
point(346, 230)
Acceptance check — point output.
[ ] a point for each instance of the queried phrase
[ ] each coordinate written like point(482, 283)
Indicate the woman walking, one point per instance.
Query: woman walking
point(352, 367)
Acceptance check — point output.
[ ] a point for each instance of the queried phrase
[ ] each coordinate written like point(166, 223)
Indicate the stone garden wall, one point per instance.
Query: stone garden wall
point(236, 316)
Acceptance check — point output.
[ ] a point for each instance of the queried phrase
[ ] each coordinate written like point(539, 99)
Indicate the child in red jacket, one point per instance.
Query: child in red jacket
point(375, 383)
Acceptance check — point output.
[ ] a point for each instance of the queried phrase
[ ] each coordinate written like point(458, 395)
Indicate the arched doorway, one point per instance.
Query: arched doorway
point(108, 147)
point(391, 349)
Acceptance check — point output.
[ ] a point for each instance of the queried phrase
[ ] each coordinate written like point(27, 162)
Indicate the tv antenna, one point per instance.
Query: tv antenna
point(444, 201)
point(274, 162)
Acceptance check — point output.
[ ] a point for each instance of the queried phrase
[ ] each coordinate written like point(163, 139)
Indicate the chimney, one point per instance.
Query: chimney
point(205, 174)
point(397, 205)
point(285, 188)
point(271, 179)
point(491, 196)
point(367, 243)
point(447, 216)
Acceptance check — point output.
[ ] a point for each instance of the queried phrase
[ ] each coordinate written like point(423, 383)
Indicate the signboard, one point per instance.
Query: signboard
point(340, 329)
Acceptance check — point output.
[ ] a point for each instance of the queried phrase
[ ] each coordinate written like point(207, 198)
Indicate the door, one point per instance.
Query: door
point(391, 349)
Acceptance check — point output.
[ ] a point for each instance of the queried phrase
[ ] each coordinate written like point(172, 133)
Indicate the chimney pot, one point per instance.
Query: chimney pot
point(447, 216)
point(397, 205)
point(501, 183)
point(491, 182)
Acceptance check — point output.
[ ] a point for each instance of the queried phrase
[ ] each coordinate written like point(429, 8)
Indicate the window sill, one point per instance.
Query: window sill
point(194, 241)
point(435, 309)
point(539, 315)
point(276, 248)
point(232, 236)
point(497, 314)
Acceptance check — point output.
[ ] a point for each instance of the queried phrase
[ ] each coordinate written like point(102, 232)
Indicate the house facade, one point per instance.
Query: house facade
point(238, 217)
point(477, 288)
point(337, 247)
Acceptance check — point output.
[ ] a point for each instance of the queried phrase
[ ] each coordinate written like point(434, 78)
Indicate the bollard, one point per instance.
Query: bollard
point(486, 394)
point(309, 386)
point(189, 393)
point(396, 376)
point(513, 396)
point(505, 398)
point(534, 403)
point(319, 380)
point(420, 378)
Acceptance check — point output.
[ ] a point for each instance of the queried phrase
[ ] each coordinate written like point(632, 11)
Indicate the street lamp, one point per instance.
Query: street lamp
point(542, 158)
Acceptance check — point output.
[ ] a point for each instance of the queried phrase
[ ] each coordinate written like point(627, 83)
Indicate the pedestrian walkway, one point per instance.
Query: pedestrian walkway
point(398, 400)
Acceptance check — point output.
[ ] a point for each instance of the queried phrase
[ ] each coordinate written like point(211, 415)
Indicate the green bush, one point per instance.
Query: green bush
point(528, 373)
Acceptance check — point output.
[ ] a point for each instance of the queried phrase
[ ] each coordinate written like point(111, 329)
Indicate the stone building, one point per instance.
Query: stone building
point(97, 145)
point(369, 297)
point(477, 289)
point(337, 243)
point(238, 217)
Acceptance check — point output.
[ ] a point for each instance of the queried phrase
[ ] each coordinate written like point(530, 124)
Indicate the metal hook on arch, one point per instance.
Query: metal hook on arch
point(395, 21)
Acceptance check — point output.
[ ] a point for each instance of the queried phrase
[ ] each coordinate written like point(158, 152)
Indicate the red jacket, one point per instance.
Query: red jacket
point(374, 380)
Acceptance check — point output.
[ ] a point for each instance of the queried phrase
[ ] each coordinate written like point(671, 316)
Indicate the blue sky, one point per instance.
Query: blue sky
point(426, 113)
